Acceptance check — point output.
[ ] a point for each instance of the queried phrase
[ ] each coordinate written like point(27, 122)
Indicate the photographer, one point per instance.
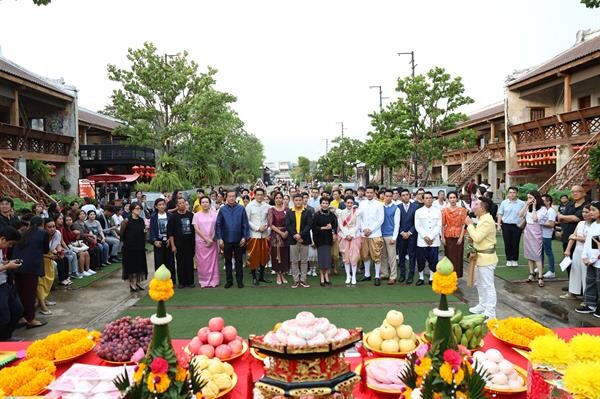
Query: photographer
point(158, 237)
point(11, 308)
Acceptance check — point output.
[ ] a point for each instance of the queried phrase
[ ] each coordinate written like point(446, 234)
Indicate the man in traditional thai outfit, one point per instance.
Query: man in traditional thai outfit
point(258, 244)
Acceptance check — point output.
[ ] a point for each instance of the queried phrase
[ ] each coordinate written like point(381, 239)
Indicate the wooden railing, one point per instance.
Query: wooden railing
point(576, 170)
point(18, 141)
point(474, 165)
point(572, 126)
point(111, 154)
point(454, 157)
point(15, 185)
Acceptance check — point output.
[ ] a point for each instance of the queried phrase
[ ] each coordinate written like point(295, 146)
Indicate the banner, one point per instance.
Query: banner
point(86, 188)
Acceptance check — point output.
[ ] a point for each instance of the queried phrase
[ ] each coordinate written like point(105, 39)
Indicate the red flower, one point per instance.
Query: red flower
point(452, 357)
point(159, 366)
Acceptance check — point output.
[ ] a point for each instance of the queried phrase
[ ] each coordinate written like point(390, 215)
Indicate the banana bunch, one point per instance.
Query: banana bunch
point(468, 330)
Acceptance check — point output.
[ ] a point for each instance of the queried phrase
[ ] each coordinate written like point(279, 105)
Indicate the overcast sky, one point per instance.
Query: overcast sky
point(296, 67)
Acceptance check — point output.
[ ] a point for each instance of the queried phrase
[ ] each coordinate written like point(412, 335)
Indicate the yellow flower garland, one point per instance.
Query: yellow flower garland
point(181, 374)
point(61, 345)
point(138, 374)
point(449, 377)
point(444, 284)
point(424, 367)
point(28, 378)
point(581, 380)
point(550, 350)
point(161, 386)
point(518, 330)
point(161, 290)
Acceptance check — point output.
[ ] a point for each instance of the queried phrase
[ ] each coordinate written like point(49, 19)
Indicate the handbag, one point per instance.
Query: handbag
point(522, 223)
point(78, 246)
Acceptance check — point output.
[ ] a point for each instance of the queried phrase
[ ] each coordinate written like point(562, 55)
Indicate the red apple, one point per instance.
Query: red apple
point(229, 333)
point(216, 324)
point(194, 345)
point(223, 351)
point(215, 338)
point(207, 350)
point(236, 346)
point(203, 334)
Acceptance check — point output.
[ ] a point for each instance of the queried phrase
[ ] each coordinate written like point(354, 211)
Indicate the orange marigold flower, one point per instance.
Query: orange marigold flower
point(158, 383)
point(161, 290)
point(181, 374)
point(448, 375)
point(423, 367)
point(138, 374)
point(444, 284)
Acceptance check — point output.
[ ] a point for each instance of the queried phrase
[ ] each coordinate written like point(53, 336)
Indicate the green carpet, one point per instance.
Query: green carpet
point(521, 272)
point(186, 322)
point(100, 275)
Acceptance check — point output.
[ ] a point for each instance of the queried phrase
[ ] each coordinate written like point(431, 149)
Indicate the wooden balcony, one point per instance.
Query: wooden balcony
point(16, 141)
point(91, 155)
point(573, 127)
point(458, 157)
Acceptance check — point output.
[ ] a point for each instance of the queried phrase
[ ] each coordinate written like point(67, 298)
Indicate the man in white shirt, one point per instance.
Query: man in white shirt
point(258, 244)
point(428, 223)
point(389, 231)
point(314, 200)
point(547, 232)
point(371, 218)
point(440, 201)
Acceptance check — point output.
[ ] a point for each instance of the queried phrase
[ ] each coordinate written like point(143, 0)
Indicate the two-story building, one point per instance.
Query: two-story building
point(553, 114)
point(486, 160)
point(38, 121)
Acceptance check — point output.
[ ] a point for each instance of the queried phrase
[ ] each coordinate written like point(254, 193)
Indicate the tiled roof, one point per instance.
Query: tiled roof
point(18, 71)
point(97, 120)
point(485, 113)
point(579, 50)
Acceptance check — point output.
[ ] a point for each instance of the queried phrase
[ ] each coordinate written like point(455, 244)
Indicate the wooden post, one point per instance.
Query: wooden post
point(567, 97)
point(14, 109)
point(492, 132)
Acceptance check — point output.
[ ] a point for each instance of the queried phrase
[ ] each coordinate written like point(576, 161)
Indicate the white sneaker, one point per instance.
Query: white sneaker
point(478, 309)
point(549, 274)
point(353, 282)
point(535, 270)
point(348, 279)
point(91, 272)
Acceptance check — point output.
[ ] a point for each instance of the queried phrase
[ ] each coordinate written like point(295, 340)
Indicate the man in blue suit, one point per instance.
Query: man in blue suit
point(407, 237)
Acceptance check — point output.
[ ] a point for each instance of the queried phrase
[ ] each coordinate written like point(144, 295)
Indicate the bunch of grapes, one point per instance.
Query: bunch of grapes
point(123, 337)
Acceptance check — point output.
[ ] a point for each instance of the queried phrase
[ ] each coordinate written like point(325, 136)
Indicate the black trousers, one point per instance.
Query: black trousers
point(11, 310)
point(62, 267)
point(164, 256)
point(511, 234)
point(231, 250)
point(185, 265)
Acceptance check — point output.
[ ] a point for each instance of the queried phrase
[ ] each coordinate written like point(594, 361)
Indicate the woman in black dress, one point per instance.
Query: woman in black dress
point(324, 229)
point(133, 235)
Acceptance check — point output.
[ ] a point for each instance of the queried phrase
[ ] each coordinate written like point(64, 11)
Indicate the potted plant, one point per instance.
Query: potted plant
point(66, 185)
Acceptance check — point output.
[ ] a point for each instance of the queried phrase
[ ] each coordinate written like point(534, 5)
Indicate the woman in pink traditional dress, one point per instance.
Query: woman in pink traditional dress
point(349, 237)
point(207, 258)
point(280, 247)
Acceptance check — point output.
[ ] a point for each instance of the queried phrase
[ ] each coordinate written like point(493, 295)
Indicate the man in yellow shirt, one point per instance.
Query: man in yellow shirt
point(484, 240)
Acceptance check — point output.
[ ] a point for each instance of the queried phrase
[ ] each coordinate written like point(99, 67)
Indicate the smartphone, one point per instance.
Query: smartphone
point(18, 261)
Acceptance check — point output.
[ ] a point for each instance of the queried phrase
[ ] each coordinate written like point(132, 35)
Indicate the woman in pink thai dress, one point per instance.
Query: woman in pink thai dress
point(349, 238)
point(207, 256)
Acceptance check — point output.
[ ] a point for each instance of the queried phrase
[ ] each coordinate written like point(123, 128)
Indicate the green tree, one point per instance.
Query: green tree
point(168, 104)
point(591, 3)
point(302, 171)
point(594, 161)
point(412, 125)
point(341, 159)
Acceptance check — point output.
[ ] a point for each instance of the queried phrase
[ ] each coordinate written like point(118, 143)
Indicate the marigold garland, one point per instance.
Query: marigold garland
point(61, 345)
point(28, 378)
point(444, 284)
point(138, 373)
point(181, 374)
point(518, 330)
point(449, 376)
point(585, 347)
point(161, 290)
point(158, 382)
point(423, 367)
point(581, 380)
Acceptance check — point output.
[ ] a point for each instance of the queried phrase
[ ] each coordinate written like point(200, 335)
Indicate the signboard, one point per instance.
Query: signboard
point(87, 188)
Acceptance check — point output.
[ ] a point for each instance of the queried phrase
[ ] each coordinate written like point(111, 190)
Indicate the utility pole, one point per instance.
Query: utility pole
point(168, 146)
point(381, 97)
point(342, 148)
point(414, 155)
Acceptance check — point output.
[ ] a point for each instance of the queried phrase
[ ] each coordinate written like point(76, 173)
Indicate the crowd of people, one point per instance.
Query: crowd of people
point(292, 232)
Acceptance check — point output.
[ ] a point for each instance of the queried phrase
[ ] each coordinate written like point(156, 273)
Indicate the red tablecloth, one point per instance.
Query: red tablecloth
point(247, 363)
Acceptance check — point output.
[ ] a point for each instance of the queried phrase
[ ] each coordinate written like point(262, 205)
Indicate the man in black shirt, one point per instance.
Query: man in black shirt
point(7, 214)
point(570, 216)
point(181, 235)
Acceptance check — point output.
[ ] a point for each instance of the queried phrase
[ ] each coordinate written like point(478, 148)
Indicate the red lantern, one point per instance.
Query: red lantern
point(135, 169)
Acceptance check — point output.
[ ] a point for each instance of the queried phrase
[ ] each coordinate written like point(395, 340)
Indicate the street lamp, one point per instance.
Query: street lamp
point(381, 98)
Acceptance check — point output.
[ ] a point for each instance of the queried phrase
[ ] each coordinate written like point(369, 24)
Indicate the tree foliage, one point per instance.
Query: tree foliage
point(341, 160)
point(302, 171)
point(591, 3)
point(411, 126)
point(168, 104)
point(594, 154)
